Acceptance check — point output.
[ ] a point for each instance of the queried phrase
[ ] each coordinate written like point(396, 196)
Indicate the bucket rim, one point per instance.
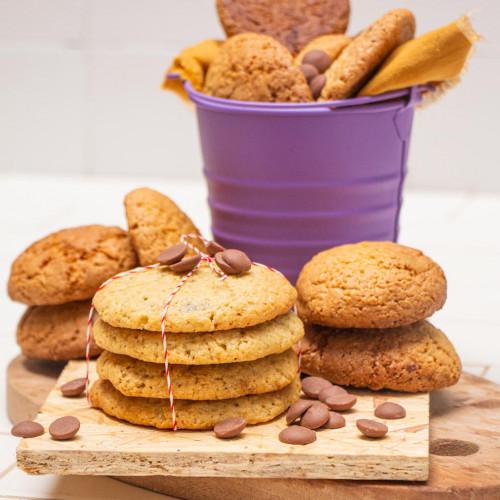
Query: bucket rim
point(412, 93)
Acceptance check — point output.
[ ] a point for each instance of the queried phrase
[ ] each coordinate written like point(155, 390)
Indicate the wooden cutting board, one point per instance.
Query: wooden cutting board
point(465, 449)
point(108, 446)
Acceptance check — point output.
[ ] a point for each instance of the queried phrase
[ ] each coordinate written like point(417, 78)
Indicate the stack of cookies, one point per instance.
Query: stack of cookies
point(229, 346)
point(57, 276)
point(366, 307)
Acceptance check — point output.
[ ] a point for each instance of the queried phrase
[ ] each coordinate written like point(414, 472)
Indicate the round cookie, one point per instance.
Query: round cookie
point(415, 358)
point(155, 412)
point(155, 222)
point(227, 346)
point(350, 71)
point(292, 22)
point(206, 382)
point(370, 285)
point(333, 45)
point(69, 265)
point(253, 67)
point(56, 333)
point(203, 304)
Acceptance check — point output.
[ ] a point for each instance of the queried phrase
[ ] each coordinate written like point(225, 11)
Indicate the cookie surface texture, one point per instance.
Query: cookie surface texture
point(204, 304)
point(155, 222)
point(253, 67)
point(358, 61)
point(292, 22)
point(155, 412)
point(415, 358)
point(69, 265)
point(56, 333)
point(370, 285)
point(200, 382)
point(228, 346)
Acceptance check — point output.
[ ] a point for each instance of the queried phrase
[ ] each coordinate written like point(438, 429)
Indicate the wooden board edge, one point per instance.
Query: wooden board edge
point(222, 465)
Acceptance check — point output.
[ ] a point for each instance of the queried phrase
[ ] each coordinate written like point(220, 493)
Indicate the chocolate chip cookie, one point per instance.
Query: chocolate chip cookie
point(350, 71)
point(292, 22)
point(205, 304)
point(56, 333)
point(374, 284)
point(254, 67)
point(154, 223)
point(69, 265)
point(414, 358)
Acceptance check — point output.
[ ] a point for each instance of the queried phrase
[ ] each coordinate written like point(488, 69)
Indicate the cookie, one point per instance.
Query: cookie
point(292, 22)
point(206, 382)
point(370, 285)
point(415, 358)
point(227, 346)
point(253, 67)
point(69, 265)
point(56, 333)
point(155, 222)
point(358, 61)
point(204, 303)
point(155, 412)
point(333, 45)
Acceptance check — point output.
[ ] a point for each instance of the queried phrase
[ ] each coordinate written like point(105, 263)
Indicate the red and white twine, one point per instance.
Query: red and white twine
point(203, 258)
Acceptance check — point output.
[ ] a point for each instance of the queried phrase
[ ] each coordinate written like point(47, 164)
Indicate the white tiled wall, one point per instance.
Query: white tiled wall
point(80, 90)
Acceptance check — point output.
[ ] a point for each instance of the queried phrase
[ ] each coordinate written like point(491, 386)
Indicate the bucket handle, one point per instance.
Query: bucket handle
point(403, 126)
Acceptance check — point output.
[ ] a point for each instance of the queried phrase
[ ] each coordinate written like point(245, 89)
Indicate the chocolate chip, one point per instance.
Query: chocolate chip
point(295, 434)
point(315, 417)
point(371, 428)
point(390, 411)
point(312, 386)
point(340, 402)
point(319, 59)
point(230, 428)
point(297, 410)
point(317, 84)
point(27, 429)
point(64, 428)
point(185, 265)
point(309, 71)
point(213, 247)
point(233, 261)
point(74, 387)
point(335, 421)
point(333, 390)
point(172, 254)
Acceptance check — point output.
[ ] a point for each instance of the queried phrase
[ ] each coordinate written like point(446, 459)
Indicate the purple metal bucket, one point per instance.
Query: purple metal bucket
point(286, 181)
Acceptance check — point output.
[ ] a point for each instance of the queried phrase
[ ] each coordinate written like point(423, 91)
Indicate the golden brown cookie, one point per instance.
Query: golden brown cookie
point(203, 304)
point(292, 22)
point(370, 285)
point(228, 346)
point(253, 67)
point(155, 412)
point(199, 382)
point(56, 333)
point(69, 265)
point(415, 358)
point(333, 45)
point(154, 223)
point(366, 52)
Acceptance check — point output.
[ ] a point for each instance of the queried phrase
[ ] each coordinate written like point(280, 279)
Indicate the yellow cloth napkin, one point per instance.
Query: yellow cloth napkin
point(191, 65)
point(437, 57)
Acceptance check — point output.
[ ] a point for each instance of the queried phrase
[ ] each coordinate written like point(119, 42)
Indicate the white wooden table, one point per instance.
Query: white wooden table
point(460, 230)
